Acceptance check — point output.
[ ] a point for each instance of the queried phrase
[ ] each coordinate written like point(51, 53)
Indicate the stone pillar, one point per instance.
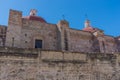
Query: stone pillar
point(102, 44)
point(13, 38)
point(63, 27)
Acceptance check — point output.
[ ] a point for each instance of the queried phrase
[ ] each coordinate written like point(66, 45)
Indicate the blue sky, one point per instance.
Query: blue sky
point(103, 14)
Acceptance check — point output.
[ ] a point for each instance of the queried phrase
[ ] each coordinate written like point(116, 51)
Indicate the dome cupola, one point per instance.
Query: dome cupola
point(33, 16)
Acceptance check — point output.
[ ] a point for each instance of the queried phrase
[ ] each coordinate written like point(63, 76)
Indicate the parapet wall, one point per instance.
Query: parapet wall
point(43, 54)
point(36, 64)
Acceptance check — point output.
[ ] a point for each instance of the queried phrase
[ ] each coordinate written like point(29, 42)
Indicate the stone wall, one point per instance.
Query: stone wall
point(117, 39)
point(3, 30)
point(32, 30)
point(22, 33)
point(13, 35)
point(110, 44)
point(80, 41)
point(34, 64)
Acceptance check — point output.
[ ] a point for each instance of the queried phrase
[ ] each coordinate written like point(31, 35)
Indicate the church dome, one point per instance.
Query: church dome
point(90, 29)
point(33, 16)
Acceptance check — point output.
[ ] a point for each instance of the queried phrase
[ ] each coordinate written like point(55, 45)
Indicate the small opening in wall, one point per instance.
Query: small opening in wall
point(25, 35)
point(13, 39)
point(0, 43)
point(26, 42)
point(38, 43)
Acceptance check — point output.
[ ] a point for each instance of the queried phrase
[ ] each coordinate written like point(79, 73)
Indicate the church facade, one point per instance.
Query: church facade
point(34, 32)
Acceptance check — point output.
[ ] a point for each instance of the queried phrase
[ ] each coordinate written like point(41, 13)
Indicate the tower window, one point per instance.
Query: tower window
point(38, 43)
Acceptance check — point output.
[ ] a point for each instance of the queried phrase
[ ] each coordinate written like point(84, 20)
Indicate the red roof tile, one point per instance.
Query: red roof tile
point(36, 18)
point(89, 29)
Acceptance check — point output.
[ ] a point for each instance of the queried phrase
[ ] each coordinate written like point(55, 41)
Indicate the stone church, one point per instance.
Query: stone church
point(33, 31)
point(62, 53)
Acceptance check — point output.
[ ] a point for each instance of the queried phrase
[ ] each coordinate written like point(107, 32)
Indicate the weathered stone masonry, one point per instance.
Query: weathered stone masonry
point(62, 53)
point(26, 32)
point(36, 64)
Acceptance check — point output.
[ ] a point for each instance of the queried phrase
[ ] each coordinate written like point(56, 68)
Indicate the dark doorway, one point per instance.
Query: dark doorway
point(38, 43)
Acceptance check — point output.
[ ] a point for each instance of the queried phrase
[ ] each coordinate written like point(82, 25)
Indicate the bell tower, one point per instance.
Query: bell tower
point(87, 23)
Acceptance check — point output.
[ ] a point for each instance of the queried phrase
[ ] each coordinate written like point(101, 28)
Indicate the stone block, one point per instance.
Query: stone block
point(68, 56)
point(51, 55)
point(79, 57)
